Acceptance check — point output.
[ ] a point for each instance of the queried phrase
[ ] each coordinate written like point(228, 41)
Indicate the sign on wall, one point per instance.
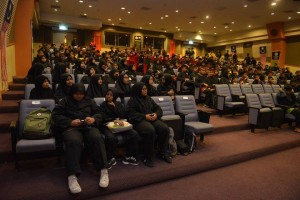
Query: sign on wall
point(275, 55)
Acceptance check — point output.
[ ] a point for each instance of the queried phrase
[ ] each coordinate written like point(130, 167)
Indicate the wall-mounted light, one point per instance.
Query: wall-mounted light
point(63, 27)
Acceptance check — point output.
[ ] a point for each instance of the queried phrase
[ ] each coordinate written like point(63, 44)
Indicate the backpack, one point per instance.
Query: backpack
point(182, 148)
point(190, 140)
point(37, 124)
point(172, 144)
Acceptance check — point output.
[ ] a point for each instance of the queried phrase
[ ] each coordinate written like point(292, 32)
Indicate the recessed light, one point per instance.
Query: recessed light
point(230, 30)
point(109, 20)
point(289, 17)
point(298, 12)
point(128, 12)
point(272, 13)
point(245, 6)
point(199, 31)
point(150, 23)
point(113, 24)
point(232, 22)
point(161, 17)
point(176, 27)
point(165, 31)
point(55, 10)
point(249, 26)
point(120, 19)
point(215, 27)
point(202, 22)
point(226, 26)
point(90, 6)
point(166, 15)
point(207, 17)
point(273, 4)
point(177, 11)
point(56, 1)
point(141, 27)
point(80, 1)
point(123, 8)
point(215, 33)
point(190, 22)
point(85, 14)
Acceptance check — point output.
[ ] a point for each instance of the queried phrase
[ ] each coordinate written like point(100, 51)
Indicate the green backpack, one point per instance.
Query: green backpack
point(37, 124)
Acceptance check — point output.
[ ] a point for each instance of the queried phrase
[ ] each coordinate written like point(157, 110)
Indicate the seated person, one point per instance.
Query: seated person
point(42, 89)
point(63, 88)
point(145, 116)
point(149, 81)
point(186, 80)
point(288, 99)
point(166, 87)
point(113, 76)
point(90, 71)
point(78, 117)
point(123, 85)
point(97, 87)
point(36, 70)
point(112, 110)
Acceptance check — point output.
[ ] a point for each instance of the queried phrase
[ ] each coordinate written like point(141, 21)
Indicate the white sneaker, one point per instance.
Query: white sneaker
point(73, 184)
point(104, 180)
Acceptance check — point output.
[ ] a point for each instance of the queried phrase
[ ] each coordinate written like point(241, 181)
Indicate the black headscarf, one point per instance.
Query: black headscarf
point(136, 90)
point(77, 87)
point(39, 92)
point(63, 89)
point(60, 68)
point(36, 70)
point(96, 90)
point(123, 89)
point(151, 90)
point(114, 92)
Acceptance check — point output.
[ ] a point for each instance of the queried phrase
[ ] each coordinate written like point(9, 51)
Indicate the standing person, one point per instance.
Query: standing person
point(145, 116)
point(78, 117)
point(114, 111)
point(97, 86)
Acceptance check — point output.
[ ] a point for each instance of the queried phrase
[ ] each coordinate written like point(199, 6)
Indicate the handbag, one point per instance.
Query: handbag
point(114, 128)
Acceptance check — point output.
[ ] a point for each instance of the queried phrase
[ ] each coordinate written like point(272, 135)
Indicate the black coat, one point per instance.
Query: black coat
point(110, 113)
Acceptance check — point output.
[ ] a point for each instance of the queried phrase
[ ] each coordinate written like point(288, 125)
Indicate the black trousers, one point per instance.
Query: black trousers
point(75, 139)
point(148, 131)
point(130, 139)
point(296, 113)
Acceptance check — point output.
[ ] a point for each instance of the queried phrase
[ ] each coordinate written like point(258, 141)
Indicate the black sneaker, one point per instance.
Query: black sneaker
point(130, 161)
point(111, 163)
point(149, 163)
point(166, 157)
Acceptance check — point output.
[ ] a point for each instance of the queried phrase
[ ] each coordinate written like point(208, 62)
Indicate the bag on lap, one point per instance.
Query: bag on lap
point(37, 124)
point(118, 129)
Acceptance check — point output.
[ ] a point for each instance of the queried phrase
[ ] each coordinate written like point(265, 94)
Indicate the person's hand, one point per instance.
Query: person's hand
point(171, 92)
point(111, 104)
point(76, 122)
point(119, 122)
point(151, 117)
point(89, 120)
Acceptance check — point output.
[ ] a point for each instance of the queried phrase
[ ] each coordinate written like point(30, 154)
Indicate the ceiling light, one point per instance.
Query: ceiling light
point(215, 33)
point(298, 12)
point(273, 4)
point(245, 6)
point(62, 27)
point(128, 12)
point(207, 17)
point(272, 13)
point(123, 8)
point(80, 1)
point(141, 27)
point(202, 22)
point(230, 30)
point(120, 19)
point(161, 17)
point(165, 31)
point(199, 31)
point(177, 11)
point(90, 6)
point(215, 27)
point(226, 26)
point(191, 42)
point(289, 17)
point(55, 10)
point(176, 27)
point(56, 1)
point(109, 20)
point(232, 22)
point(249, 26)
point(113, 24)
point(166, 15)
point(190, 22)
point(85, 14)
point(150, 23)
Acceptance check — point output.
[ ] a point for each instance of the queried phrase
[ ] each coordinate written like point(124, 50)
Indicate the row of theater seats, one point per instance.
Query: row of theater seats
point(184, 118)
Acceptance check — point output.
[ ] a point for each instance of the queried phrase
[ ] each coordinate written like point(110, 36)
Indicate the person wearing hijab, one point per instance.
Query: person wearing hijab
point(131, 73)
point(145, 116)
point(113, 76)
point(149, 81)
point(123, 85)
point(60, 68)
point(169, 69)
point(112, 111)
point(90, 71)
point(166, 87)
point(36, 70)
point(97, 86)
point(79, 67)
point(78, 117)
point(63, 88)
point(42, 89)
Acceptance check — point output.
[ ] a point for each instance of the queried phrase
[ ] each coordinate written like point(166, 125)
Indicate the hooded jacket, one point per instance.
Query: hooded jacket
point(39, 92)
point(96, 90)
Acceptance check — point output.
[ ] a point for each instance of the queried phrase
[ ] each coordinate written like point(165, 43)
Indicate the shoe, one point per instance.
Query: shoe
point(130, 161)
point(111, 163)
point(73, 184)
point(149, 163)
point(104, 180)
point(206, 106)
point(166, 157)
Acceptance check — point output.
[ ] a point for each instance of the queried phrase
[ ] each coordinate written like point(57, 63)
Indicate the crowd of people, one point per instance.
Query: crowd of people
point(81, 121)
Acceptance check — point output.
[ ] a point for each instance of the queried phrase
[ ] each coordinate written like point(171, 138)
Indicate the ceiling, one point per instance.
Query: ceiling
point(211, 17)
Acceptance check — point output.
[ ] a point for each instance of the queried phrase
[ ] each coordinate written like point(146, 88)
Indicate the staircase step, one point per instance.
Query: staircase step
point(9, 106)
point(16, 86)
point(5, 147)
point(18, 79)
point(13, 95)
point(5, 120)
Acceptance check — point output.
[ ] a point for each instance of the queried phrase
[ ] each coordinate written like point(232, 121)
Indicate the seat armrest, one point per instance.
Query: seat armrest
point(182, 116)
point(203, 116)
point(255, 108)
point(14, 133)
point(282, 106)
point(235, 97)
point(220, 102)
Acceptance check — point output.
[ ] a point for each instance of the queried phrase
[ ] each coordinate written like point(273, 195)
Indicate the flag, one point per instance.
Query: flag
point(5, 25)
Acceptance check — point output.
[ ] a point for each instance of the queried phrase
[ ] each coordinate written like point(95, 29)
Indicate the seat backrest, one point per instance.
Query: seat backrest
point(49, 76)
point(125, 101)
point(266, 99)
point(246, 89)
point(186, 104)
point(257, 89)
point(250, 80)
point(253, 101)
point(155, 85)
point(223, 90)
point(111, 85)
point(26, 106)
point(166, 104)
point(28, 88)
point(274, 96)
point(79, 77)
point(99, 100)
point(138, 78)
point(276, 88)
point(267, 88)
point(235, 89)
